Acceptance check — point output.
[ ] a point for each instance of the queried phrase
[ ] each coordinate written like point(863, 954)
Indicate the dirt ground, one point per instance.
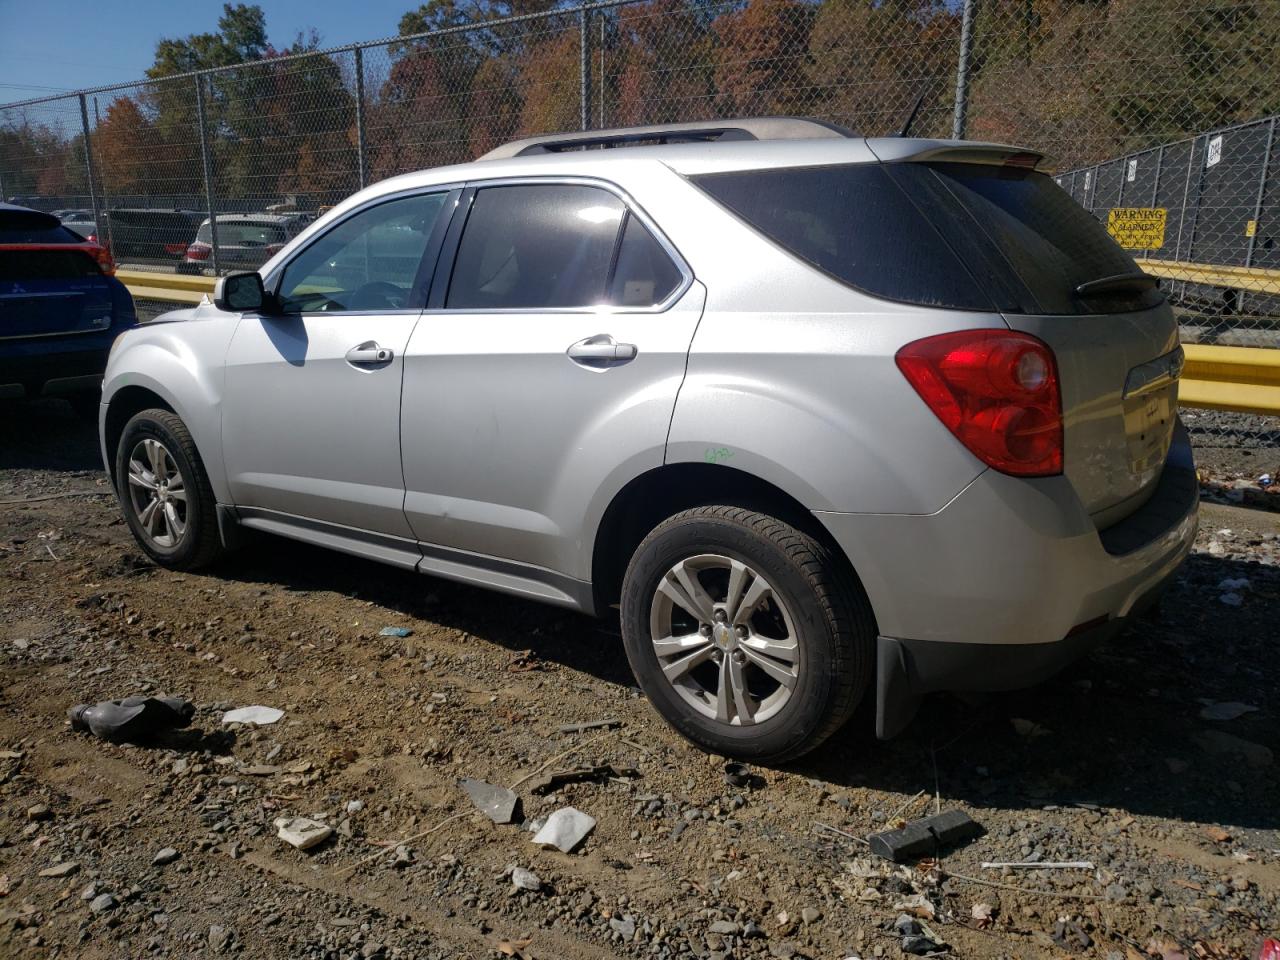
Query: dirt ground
point(1112, 762)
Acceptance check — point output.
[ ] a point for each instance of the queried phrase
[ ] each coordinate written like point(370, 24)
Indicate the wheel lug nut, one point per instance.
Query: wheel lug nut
point(742, 631)
point(717, 656)
point(720, 616)
point(739, 657)
point(705, 629)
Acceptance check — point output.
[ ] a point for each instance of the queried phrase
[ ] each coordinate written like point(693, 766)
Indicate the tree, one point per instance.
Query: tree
point(666, 72)
point(761, 58)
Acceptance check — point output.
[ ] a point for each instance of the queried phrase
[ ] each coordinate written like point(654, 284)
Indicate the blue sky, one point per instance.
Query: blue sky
point(69, 44)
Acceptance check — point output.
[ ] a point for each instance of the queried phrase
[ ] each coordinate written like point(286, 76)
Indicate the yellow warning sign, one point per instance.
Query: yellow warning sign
point(1137, 228)
point(1251, 228)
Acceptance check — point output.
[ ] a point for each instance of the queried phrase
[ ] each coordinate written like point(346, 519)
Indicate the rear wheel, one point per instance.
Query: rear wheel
point(745, 633)
point(165, 492)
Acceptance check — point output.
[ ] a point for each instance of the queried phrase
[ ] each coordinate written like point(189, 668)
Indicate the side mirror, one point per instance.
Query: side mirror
point(239, 293)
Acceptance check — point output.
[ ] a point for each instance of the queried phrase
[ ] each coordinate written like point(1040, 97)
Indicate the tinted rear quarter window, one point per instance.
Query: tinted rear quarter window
point(968, 236)
point(643, 273)
point(853, 223)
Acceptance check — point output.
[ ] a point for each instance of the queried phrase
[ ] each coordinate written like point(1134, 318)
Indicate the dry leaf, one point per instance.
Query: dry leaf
point(513, 948)
point(1216, 834)
point(983, 914)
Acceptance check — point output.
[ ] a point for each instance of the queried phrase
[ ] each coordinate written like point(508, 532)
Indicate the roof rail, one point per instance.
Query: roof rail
point(698, 131)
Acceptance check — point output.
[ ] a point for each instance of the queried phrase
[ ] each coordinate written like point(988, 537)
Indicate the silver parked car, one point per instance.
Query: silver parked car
point(827, 418)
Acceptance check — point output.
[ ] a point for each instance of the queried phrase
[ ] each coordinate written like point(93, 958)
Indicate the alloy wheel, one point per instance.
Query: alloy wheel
point(157, 493)
point(724, 639)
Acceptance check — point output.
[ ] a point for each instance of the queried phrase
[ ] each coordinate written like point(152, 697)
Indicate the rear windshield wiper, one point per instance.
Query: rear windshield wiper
point(1119, 284)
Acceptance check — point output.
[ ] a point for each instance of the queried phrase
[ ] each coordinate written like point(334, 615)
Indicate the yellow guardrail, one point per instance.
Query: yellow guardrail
point(1242, 379)
point(1254, 279)
point(181, 288)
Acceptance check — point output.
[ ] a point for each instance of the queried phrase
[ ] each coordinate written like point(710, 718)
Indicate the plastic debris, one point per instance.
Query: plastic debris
point(565, 829)
point(133, 718)
point(924, 837)
point(1235, 583)
point(1227, 710)
point(395, 632)
point(497, 803)
point(524, 879)
point(1039, 865)
point(1231, 599)
point(737, 774)
point(257, 715)
point(301, 832)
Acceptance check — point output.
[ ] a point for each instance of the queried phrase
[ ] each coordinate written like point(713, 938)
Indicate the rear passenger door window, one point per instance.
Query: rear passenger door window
point(555, 247)
point(536, 246)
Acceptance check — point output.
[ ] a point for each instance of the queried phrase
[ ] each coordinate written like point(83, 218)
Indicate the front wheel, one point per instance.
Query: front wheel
point(165, 493)
point(746, 633)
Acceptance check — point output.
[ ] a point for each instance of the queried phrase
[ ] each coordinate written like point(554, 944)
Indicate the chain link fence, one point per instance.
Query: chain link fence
point(1159, 116)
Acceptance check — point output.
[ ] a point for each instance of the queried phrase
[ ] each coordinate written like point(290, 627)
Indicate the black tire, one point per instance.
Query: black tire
point(832, 619)
point(199, 543)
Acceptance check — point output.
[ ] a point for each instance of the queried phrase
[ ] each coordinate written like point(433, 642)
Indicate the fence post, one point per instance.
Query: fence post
point(88, 163)
point(360, 115)
point(584, 68)
point(208, 173)
point(104, 229)
point(961, 116)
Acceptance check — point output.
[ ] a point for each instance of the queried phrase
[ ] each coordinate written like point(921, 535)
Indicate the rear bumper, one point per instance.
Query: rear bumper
point(54, 366)
point(1010, 581)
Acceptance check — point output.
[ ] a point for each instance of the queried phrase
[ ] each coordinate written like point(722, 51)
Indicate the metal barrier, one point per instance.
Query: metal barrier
point(1239, 379)
point(151, 285)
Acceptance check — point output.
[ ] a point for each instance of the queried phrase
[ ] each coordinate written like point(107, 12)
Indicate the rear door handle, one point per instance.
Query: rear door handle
point(369, 354)
point(601, 350)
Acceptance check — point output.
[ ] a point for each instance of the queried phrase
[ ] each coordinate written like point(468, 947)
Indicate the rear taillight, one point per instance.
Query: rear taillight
point(103, 256)
point(199, 251)
point(177, 249)
point(274, 248)
point(997, 391)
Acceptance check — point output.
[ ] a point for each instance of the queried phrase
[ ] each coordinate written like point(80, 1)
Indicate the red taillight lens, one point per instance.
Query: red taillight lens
point(274, 248)
point(199, 251)
point(103, 256)
point(997, 391)
point(177, 249)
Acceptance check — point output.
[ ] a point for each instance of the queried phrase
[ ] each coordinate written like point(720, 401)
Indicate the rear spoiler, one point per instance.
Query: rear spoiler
point(895, 150)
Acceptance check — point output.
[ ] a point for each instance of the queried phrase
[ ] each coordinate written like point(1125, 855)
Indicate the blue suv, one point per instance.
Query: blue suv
point(60, 310)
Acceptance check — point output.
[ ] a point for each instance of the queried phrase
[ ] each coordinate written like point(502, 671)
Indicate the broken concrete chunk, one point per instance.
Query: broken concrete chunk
point(497, 803)
point(302, 832)
point(565, 829)
point(255, 714)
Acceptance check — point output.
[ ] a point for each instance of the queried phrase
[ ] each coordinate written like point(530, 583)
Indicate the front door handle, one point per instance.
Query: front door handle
point(601, 350)
point(369, 354)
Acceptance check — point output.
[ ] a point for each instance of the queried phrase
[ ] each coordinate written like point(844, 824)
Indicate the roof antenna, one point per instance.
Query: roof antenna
point(911, 117)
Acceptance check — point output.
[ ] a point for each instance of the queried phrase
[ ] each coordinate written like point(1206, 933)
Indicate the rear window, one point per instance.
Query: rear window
point(19, 233)
point(19, 265)
point(963, 236)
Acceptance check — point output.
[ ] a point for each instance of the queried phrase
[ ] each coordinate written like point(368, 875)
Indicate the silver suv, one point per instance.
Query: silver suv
point(827, 418)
